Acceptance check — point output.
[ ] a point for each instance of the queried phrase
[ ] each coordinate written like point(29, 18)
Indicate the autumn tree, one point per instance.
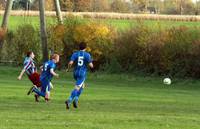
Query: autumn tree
point(81, 5)
point(178, 7)
point(119, 6)
point(140, 5)
point(2, 4)
point(67, 5)
point(49, 5)
point(100, 5)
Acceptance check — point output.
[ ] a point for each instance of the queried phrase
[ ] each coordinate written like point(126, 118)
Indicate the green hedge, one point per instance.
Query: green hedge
point(17, 43)
point(171, 51)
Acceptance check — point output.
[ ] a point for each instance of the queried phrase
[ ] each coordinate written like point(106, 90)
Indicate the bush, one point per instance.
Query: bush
point(18, 43)
point(64, 39)
point(173, 51)
point(130, 48)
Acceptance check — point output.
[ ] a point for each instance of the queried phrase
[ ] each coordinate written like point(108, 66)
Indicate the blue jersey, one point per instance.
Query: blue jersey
point(46, 74)
point(81, 60)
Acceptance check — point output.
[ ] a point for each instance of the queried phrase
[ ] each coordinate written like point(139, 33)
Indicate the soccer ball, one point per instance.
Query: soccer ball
point(167, 81)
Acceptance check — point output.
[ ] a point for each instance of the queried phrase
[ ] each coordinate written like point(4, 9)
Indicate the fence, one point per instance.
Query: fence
point(104, 15)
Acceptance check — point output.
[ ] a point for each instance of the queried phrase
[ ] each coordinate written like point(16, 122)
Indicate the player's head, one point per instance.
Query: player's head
point(30, 54)
point(82, 46)
point(55, 58)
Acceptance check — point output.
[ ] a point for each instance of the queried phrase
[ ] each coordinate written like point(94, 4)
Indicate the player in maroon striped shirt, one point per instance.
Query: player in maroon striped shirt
point(31, 70)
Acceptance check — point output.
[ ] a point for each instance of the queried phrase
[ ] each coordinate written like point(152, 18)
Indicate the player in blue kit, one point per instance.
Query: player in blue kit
point(46, 76)
point(80, 59)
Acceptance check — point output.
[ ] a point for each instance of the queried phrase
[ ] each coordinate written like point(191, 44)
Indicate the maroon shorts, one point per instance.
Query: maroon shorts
point(35, 79)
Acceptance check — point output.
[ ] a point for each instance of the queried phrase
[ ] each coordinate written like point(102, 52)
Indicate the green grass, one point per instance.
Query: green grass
point(15, 21)
point(108, 102)
point(125, 24)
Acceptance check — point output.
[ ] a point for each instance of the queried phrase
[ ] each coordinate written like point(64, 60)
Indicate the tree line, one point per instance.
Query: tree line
point(185, 7)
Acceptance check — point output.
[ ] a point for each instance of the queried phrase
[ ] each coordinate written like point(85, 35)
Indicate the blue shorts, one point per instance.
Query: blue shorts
point(79, 80)
point(45, 86)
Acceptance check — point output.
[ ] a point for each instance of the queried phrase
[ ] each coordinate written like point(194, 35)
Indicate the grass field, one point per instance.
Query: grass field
point(109, 102)
point(119, 24)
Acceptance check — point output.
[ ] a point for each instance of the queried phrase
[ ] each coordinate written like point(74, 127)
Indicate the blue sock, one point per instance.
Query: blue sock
point(78, 94)
point(38, 92)
point(73, 94)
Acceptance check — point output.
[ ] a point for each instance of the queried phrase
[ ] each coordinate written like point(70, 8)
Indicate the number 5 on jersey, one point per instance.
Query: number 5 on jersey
point(80, 60)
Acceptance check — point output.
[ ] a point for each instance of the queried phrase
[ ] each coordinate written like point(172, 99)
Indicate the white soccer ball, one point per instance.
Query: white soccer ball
point(167, 81)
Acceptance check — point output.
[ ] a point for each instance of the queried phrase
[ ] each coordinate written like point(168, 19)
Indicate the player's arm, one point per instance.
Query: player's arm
point(69, 65)
point(21, 74)
point(41, 68)
point(91, 66)
point(53, 73)
point(71, 62)
point(26, 67)
point(89, 59)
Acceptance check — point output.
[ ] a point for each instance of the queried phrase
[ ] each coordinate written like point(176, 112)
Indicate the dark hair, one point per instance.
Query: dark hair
point(82, 45)
point(29, 53)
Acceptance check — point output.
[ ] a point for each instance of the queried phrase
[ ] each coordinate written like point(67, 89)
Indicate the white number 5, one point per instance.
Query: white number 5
point(80, 60)
point(45, 67)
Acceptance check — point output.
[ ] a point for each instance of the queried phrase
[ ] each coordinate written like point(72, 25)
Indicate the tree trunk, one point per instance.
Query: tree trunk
point(43, 30)
point(58, 11)
point(7, 13)
point(5, 22)
point(181, 7)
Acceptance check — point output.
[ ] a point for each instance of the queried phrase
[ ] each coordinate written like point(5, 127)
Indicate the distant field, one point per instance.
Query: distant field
point(119, 24)
point(108, 102)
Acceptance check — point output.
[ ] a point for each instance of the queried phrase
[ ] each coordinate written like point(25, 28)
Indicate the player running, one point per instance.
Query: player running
point(45, 77)
point(80, 59)
point(31, 70)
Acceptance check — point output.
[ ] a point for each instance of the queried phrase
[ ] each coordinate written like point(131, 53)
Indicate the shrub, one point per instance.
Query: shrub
point(173, 51)
point(130, 47)
point(55, 38)
point(64, 39)
point(24, 39)
point(2, 37)
point(97, 36)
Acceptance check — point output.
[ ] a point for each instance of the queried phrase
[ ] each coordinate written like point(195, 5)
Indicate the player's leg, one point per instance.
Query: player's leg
point(71, 97)
point(31, 89)
point(47, 92)
point(76, 98)
point(41, 92)
point(68, 101)
point(80, 91)
point(35, 79)
point(75, 93)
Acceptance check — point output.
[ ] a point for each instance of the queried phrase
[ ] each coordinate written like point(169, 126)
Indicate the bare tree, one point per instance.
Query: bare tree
point(58, 11)
point(43, 30)
point(7, 13)
point(5, 21)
